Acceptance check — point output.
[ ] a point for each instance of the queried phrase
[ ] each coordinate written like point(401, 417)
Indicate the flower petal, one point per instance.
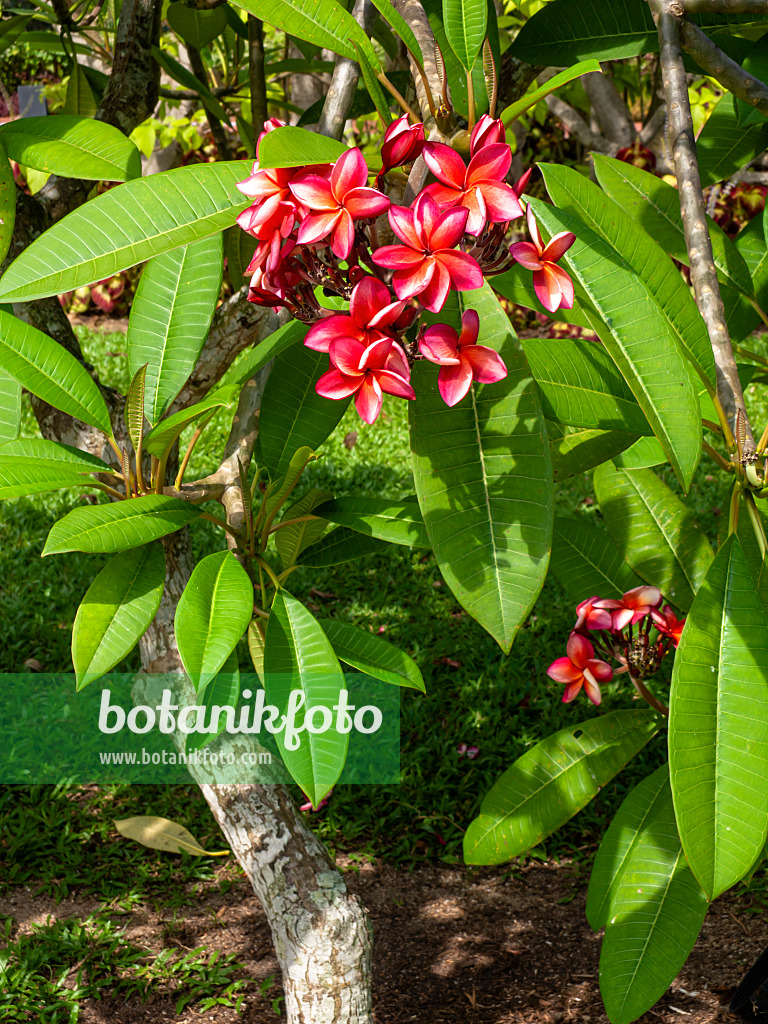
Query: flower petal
point(470, 327)
point(444, 195)
point(314, 192)
point(547, 287)
point(387, 315)
point(397, 362)
point(415, 279)
point(445, 163)
point(526, 255)
point(323, 333)
point(440, 344)
point(591, 687)
point(366, 203)
point(317, 226)
point(487, 365)
point(491, 163)
point(397, 257)
point(533, 230)
point(401, 222)
point(449, 228)
point(564, 671)
point(368, 297)
point(565, 283)
point(369, 399)
point(601, 670)
point(579, 649)
point(375, 355)
point(501, 202)
point(350, 171)
point(393, 384)
point(572, 691)
point(343, 235)
point(347, 356)
point(474, 202)
point(642, 595)
point(558, 246)
point(335, 385)
point(465, 273)
point(436, 292)
point(454, 382)
point(426, 217)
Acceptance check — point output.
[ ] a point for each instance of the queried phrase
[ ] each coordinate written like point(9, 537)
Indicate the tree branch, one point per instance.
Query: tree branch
point(720, 66)
point(416, 16)
point(217, 128)
point(259, 110)
point(725, 6)
point(346, 75)
point(578, 127)
point(697, 240)
point(610, 109)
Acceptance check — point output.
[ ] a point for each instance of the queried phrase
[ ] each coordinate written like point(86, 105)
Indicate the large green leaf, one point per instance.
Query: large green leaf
point(50, 454)
point(46, 369)
point(639, 338)
point(553, 781)
point(357, 647)
point(80, 100)
point(295, 147)
point(116, 611)
point(298, 657)
point(718, 726)
point(576, 450)
point(239, 248)
point(724, 146)
point(10, 407)
point(324, 23)
point(655, 206)
point(72, 147)
point(455, 74)
point(576, 194)
point(293, 537)
point(161, 437)
point(656, 911)
point(484, 481)
point(212, 615)
point(400, 26)
point(119, 526)
point(292, 414)
point(620, 842)
point(398, 522)
point(530, 99)
point(465, 24)
point(643, 454)
point(125, 226)
point(587, 564)
point(196, 27)
point(654, 531)
point(339, 546)
point(258, 357)
point(170, 318)
point(7, 203)
point(741, 316)
point(581, 386)
point(222, 692)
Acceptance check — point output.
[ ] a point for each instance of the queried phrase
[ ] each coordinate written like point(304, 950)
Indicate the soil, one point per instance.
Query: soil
point(452, 946)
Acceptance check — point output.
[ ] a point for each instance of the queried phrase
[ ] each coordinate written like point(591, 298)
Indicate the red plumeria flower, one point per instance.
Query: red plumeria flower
point(633, 606)
point(580, 669)
point(269, 126)
point(668, 623)
point(427, 264)
point(553, 286)
point(337, 202)
point(403, 142)
point(522, 182)
point(479, 188)
point(460, 358)
point(371, 313)
point(366, 373)
point(273, 216)
point(590, 617)
point(488, 131)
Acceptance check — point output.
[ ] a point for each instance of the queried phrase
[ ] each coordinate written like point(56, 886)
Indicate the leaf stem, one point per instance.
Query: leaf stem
point(733, 511)
point(647, 696)
point(717, 457)
point(263, 563)
point(400, 99)
point(757, 523)
point(219, 522)
point(741, 351)
point(470, 102)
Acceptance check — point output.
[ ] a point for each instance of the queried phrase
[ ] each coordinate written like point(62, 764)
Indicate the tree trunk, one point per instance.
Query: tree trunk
point(320, 931)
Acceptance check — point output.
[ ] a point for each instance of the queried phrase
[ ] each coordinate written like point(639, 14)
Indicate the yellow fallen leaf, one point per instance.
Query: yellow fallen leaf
point(162, 834)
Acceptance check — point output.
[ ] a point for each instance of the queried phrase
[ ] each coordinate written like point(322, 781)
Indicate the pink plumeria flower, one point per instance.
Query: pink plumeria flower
point(460, 358)
point(522, 182)
point(335, 203)
point(479, 188)
point(427, 264)
point(371, 313)
point(308, 806)
point(269, 126)
point(580, 669)
point(590, 617)
point(488, 131)
point(366, 372)
point(403, 142)
point(465, 750)
point(668, 624)
point(633, 606)
point(553, 286)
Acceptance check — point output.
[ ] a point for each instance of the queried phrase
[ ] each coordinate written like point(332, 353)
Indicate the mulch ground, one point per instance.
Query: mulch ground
point(452, 947)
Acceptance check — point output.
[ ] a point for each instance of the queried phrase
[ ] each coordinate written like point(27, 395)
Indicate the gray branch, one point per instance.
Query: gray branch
point(720, 66)
point(611, 110)
point(346, 75)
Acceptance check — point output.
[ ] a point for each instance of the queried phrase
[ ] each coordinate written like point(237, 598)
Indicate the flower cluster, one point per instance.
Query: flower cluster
point(634, 630)
point(317, 233)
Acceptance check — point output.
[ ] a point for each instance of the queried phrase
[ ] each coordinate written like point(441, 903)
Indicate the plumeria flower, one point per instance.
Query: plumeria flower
point(460, 358)
point(273, 216)
point(465, 750)
point(488, 131)
point(590, 617)
point(335, 203)
point(308, 806)
point(553, 286)
point(522, 182)
point(580, 669)
point(371, 313)
point(427, 264)
point(668, 623)
point(479, 188)
point(633, 606)
point(403, 142)
point(366, 372)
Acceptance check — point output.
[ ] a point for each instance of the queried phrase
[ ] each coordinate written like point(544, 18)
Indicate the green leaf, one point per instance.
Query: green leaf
point(619, 845)
point(46, 369)
point(401, 27)
point(643, 454)
point(292, 414)
point(167, 432)
point(7, 202)
point(374, 89)
point(587, 564)
point(258, 357)
point(72, 147)
point(134, 408)
point(324, 23)
point(638, 337)
point(79, 100)
point(724, 146)
point(515, 110)
point(295, 147)
point(484, 481)
point(654, 531)
point(339, 546)
point(357, 647)
point(116, 611)
point(576, 194)
point(581, 386)
point(189, 80)
point(657, 910)
point(239, 248)
point(576, 450)
point(718, 726)
point(298, 657)
point(119, 526)
point(398, 522)
point(516, 284)
point(224, 692)
point(454, 71)
point(198, 28)
point(11, 28)
point(465, 24)
point(170, 318)
point(292, 538)
point(256, 647)
point(125, 226)
point(10, 407)
point(655, 206)
point(212, 615)
point(280, 488)
point(553, 781)
point(31, 466)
